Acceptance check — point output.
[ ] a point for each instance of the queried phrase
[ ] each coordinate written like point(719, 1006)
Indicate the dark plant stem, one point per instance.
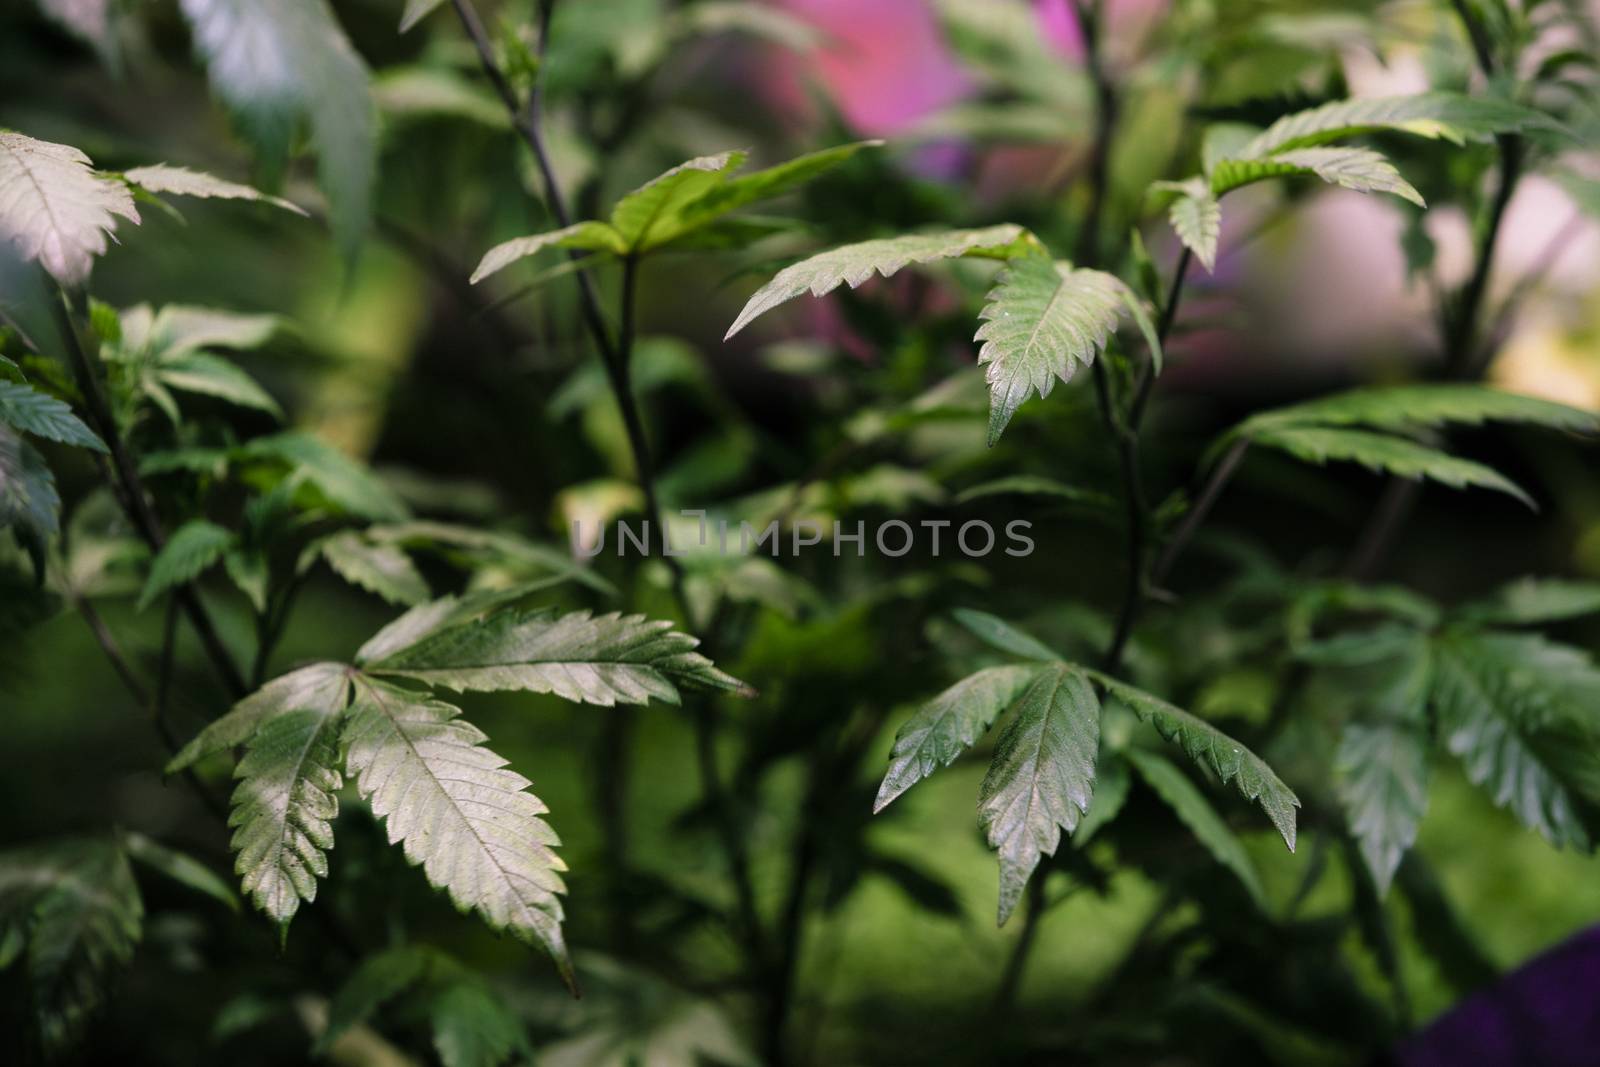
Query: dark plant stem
point(730, 835)
point(791, 920)
point(112, 649)
point(1221, 473)
point(1005, 995)
point(1133, 480)
point(131, 491)
point(1461, 345)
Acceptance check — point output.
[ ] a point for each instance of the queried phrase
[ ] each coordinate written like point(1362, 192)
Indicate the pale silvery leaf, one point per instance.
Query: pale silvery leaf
point(55, 208)
point(181, 181)
point(277, 63)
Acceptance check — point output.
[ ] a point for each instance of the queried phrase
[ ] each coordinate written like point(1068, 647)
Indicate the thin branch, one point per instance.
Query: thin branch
point(1221, 473)
point(132, 493)
point(112, 649)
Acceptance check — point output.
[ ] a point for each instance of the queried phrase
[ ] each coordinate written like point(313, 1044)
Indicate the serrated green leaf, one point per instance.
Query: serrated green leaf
point(947, 726)
point(733, 193)
point(249, 571)
point(1452, 116)
point(653, 213)
point(1042, 776)
point(1032, 485)
point(378, 979)
point(1532, 601)
point(469, 822)
point(201, 372)
point(181, 868)
point(854, 264)
point(378, 568)
point(1389, 455)
point(1196, 218)
point(194, 547)
point(1383, 788)
point(589, 236)
point(72, 912)
point(601, 659)
point(179, 329)
point(284, 806)
point(472, 1027)
point(1111, 785)
point(277, 64)
point(345, 483)
point(323, 687)
point(181, 181)
point(29, 504)
point(1195, 811)
point(1410, 408)
point(55, 209)
point(1519, 712)
point(995, 631)
point(25, 409)
point(1042, 320)
point(1360, 169)
point(1210, 747)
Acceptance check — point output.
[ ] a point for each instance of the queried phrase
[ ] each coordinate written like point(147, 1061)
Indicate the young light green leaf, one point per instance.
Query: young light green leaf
point(1383, 788)
point(181, 868)
point(178, 329)
point(276, 64)
point(735, 193)
point(378, 568)
point(323, 687)
point(469, 822)
point(947, 726)
point(54, 208)
point(1532, 601)
point(1042, 776)
point(201, 372)
point(1002, 635)
point(590, 236)
point(1451, 116)
point(181, 181)
point(1195, 811)
point(854, 264)
point(1360, 169)
point(284, 806)
point(1206, 745)
point(26, 409)
point(1196, 218)
point(652, 214)
point(1042, 321)
point(346, 484)
point(1519, 711)
point(195, 546)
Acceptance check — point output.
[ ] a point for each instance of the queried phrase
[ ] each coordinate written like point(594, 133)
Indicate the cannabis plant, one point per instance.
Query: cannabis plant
point(402, 567)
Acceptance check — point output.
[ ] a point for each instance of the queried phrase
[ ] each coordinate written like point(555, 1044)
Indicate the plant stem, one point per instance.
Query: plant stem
point(1221, 473)
point(112, 649)
point(1133, 479)
point(125, 478)
point(1005, 996)
point(1460, 340)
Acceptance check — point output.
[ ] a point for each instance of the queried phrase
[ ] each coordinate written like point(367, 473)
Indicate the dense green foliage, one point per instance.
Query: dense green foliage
point(338, 511)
